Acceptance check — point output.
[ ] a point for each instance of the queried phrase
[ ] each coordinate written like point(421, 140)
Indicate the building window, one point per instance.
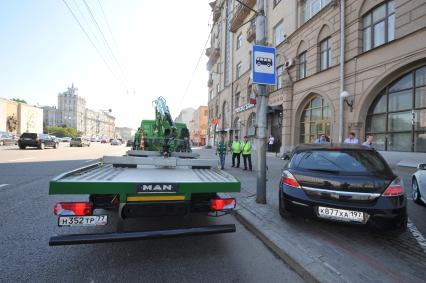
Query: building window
point(325, 54)
point(225, 112)
point(211, 94)
point(249, 92)
point(302, 65)
point(379, 26)
point(239, 41)
point(238, 70)
point(397, 117)
point(279, 77)
point(279, 33)
point(237, 99)
point(315, 120)
point(312, 7)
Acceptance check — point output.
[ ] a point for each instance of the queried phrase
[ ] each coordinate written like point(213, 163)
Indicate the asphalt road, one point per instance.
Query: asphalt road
point(28, 222)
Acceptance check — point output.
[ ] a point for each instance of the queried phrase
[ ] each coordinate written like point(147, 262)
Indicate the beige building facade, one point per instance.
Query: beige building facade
point(199, 123)
point(384, 72)
point(17, 118)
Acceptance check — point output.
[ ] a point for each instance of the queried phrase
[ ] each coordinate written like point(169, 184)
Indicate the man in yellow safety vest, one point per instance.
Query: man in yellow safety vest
point(247, 153)
point(236, 152)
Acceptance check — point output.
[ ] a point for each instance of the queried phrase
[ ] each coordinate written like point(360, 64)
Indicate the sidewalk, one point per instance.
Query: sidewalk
point(320, 251)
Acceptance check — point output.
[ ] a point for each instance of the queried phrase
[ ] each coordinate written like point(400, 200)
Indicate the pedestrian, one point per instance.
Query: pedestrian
point(221, 150)
point(271, 143)
point(321, 139)
point(236, 152)
point(247, 153)
point(369, 141)
point(351, 139)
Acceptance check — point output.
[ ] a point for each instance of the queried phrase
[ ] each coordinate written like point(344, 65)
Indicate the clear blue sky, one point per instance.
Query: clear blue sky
point(157, 43)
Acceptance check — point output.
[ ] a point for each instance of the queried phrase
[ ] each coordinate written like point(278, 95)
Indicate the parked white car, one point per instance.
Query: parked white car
point(419, 184)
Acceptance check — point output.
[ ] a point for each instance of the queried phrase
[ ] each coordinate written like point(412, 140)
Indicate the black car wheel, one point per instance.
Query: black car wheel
point(416, 191)
point(22, 146)
point(284, 211)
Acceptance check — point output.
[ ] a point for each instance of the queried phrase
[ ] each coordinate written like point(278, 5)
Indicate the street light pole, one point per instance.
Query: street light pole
point(261, 109)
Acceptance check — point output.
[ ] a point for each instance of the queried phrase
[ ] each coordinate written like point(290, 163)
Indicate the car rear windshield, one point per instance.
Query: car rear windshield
point(29, 135)
point(341, 161)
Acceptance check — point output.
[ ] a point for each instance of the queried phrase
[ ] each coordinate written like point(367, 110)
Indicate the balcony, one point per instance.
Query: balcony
point(216, 14)
point(214, 55)
point(241, 14)
point(251, 32)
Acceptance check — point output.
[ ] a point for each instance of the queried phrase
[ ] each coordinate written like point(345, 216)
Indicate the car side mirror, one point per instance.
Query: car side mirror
point(422, 166)
point(285, 157)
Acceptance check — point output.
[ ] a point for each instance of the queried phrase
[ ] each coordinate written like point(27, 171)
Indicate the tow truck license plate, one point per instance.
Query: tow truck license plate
point(340, 214)
point(92, 220)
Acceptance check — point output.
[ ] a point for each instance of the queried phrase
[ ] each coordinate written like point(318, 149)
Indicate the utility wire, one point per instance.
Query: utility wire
point(104, 38)
point(113, 38)
point(91, 41)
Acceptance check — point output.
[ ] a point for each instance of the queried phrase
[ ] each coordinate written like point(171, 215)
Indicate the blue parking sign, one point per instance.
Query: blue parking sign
point(263, 62)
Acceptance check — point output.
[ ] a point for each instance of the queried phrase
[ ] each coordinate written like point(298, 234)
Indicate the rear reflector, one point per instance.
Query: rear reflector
point(222, 204)
point(73, 208)
point(289, 180)
point(394, 189)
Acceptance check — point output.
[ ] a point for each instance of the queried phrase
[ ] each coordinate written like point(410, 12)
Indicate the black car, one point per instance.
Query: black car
point(344, 183)
point(6, 139)
point(37, 140)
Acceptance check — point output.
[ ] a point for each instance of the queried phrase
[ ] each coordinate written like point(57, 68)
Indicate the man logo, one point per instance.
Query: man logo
point(156, 188)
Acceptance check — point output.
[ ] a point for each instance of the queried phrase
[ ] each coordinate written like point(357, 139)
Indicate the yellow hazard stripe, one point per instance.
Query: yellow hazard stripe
point(155, 198)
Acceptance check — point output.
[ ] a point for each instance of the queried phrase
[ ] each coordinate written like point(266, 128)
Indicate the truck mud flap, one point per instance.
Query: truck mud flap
point(77, 239)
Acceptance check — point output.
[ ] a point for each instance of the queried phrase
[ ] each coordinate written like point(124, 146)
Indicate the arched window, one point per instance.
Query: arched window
point(251, 121)
point(397, 117)
point(225, 114)
point(315, 120)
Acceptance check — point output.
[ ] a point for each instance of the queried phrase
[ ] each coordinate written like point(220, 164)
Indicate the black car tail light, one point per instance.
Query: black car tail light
point(394, 189)
point(289, 180)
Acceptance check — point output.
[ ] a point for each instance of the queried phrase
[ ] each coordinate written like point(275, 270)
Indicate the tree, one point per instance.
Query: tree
point(19, 100)
point(62, 131)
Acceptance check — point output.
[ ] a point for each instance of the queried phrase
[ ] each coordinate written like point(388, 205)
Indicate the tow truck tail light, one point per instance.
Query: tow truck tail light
point(73, 208)
point(289, 180)
point(394, 189)
point(37, 140)
point(222, 204)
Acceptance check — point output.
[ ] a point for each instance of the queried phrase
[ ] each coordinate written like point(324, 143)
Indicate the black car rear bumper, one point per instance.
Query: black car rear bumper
point(383, 212)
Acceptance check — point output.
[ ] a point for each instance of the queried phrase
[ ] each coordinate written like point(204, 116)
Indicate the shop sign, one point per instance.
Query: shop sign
point(244, 107)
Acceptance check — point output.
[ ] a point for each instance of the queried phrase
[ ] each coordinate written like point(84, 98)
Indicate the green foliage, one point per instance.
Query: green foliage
point(62, 131)
point(18, 100)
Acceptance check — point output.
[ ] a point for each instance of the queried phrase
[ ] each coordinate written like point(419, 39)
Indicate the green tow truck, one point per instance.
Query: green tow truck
point(168, 182)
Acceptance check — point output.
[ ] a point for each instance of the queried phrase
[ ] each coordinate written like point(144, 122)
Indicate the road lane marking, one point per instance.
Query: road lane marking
point(3, 185)
point(417, 235)
point(20, 159)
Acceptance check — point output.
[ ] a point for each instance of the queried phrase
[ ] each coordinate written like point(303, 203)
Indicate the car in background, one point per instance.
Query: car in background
point(418, 184)
point(79, 142)
point(103, 140)
point(66, 139)
point(343, 183)
point(115, 142)
point(94, 139)
point(129, 143)
point(40, 141)
point(7, 139)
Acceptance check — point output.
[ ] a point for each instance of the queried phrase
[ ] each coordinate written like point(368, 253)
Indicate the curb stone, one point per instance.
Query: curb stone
point(308, 268)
